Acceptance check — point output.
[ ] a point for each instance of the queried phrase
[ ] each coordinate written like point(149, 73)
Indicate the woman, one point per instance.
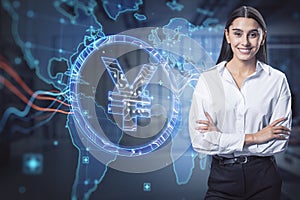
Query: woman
point(241, 113)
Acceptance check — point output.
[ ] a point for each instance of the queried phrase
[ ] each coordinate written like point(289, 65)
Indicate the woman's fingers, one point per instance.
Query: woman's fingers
point(274, 123)
point(281, 130)
point(202, 122)
point(204, 128)
point(208, 117)
point(284, 128)
point(206, 125)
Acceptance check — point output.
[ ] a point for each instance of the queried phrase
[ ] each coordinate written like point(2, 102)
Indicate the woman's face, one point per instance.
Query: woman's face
point(245, 37)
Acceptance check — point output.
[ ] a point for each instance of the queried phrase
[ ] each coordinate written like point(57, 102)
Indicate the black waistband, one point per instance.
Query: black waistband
point(239, 160)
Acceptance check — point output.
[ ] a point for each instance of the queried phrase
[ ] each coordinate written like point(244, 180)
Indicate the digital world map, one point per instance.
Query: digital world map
point(126, 95)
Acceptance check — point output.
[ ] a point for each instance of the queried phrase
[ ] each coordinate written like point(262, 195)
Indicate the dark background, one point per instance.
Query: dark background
point(60, 161)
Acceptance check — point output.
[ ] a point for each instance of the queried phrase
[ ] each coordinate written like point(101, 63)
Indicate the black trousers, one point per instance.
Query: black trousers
point(257, 179)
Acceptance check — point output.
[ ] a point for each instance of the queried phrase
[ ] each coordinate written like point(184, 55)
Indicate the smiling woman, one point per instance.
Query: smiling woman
point(241, 113)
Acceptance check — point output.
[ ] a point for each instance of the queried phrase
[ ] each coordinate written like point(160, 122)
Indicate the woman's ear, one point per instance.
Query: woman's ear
point(227, 35)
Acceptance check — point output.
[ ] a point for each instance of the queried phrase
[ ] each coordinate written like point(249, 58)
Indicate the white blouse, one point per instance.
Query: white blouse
point(264, 97)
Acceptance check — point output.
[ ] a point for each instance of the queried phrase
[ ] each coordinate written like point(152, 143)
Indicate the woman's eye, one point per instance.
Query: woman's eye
point(237, 34)
point(253, 35)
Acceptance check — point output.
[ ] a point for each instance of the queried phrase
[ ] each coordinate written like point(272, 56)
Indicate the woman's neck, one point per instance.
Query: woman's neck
point(241, 68)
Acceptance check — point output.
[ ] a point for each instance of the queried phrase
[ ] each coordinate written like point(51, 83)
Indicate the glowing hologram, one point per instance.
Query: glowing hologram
point(130, 116)
point(130, 100)
point(174, 5)
point(205, 12)
point(39, 55)
point(88, 126)
point(114, 8)
point(140, 17)
point(90, 172)
point(210, 21)
point(186, 56)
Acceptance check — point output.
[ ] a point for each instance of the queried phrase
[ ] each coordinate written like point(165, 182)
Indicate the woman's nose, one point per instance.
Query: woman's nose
point(245, 40)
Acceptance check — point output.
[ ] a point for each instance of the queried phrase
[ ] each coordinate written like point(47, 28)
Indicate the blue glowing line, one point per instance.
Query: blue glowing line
point(174, 5)
point(205, 12)
point(114, 8)
point(24, 130)
point(140, 17)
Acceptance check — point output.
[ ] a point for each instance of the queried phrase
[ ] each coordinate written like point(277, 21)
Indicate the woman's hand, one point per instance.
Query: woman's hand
point(268, 133)
point(206, 125)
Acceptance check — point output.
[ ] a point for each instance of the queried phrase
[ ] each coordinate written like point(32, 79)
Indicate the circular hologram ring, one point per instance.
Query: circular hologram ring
point(101, 57)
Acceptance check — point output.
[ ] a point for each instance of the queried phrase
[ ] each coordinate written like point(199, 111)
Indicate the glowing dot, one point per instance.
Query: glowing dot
point(18, 60)
point(33, 164)
point(119, 6)
point(85, 160)
point(55, 143)
point(30, 13)
point(86, 182)
point(28, 44)
point(60, 50)
point(62, 20)
point(36, 62)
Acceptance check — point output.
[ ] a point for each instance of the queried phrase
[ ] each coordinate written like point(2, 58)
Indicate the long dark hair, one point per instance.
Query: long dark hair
point(226, 53)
